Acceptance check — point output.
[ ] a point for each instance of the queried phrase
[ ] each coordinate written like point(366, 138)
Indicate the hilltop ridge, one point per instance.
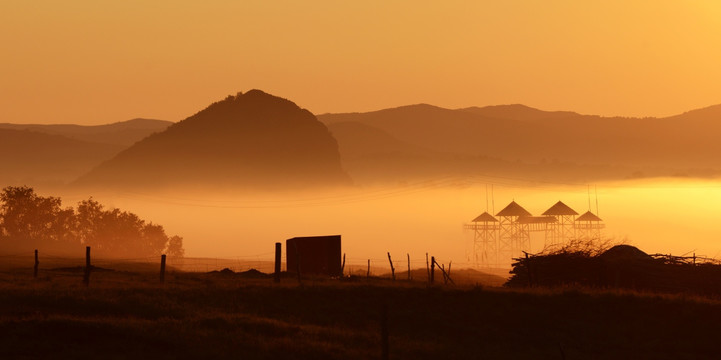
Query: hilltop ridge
point(252, 139)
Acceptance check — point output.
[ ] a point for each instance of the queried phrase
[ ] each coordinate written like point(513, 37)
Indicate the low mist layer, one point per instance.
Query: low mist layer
point(659, 216)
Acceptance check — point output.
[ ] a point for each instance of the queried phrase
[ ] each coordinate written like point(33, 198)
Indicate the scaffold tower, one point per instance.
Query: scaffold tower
point(485, 239)
point(498, 239)
point(563, 229)
point(514, 236)
point(588, 226)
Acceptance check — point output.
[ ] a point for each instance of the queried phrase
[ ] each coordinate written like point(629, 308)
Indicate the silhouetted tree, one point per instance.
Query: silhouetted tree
point(31, 221)
point(120, 233)
point(175, 247)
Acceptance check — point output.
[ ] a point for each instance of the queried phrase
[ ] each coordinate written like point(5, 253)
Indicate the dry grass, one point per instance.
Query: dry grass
point(126, 314)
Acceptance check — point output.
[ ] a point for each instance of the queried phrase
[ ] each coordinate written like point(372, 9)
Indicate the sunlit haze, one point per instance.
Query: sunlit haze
point(90, 62)
point(351, 180)
point(658, 216)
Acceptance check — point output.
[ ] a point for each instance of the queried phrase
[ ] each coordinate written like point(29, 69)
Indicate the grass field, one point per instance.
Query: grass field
point(129, 314)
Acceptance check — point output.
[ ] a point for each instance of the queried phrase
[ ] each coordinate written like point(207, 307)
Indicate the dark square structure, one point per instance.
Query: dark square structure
point(318, 255)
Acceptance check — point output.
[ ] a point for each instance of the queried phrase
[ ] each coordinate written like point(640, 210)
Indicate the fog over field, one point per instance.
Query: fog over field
point(658, 215)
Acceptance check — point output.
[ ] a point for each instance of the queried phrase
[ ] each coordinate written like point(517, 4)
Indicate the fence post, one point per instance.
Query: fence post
point(409, 266)
point(368, 272)
point(342, 266)
point(276, 276)
point(433, 268)
point(443, 271)
point(86, 277)
point(37, 263)
point(393, 270)
point(162, 269)
point(428, 268)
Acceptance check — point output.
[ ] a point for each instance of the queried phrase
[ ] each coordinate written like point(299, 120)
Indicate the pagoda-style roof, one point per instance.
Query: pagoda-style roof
point(513, 209)
point(560, 209)
point(485, 217)
point(588, 216)
point(537, 220)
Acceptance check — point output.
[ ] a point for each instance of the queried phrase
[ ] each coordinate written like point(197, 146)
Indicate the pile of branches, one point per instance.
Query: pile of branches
point(599, 265)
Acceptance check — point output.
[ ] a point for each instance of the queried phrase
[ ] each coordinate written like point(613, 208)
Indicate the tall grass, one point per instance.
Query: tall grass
point(213, 316)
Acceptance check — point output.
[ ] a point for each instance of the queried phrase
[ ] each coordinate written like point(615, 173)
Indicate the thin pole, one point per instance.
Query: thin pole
point(493, 200)
point(428, 268)
point(37, 263)
point(596, 191)
point(486, 197)
point(162, 269)
point(589, 197)
point(86, 278)
point(393, 270)
point(342, 266)
point(278, 249)
point(409, 266)
point(368, 272)
point(433, 266)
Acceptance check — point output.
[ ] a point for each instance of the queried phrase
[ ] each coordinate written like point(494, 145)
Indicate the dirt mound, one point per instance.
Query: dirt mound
point(254, 274)
point(625, 253)
point(249, 274)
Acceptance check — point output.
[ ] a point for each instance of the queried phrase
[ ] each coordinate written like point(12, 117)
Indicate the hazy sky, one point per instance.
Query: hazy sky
point(103, 61)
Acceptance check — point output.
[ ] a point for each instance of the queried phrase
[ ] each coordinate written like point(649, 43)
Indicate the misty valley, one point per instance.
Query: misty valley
point(412, 192)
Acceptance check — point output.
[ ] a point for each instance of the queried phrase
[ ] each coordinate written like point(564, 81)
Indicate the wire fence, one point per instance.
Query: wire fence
point(265, 263)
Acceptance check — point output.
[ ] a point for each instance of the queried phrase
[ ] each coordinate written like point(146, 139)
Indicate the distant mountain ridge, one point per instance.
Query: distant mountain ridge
point(518, 112)
point(252, 140)
point(35, 158)
point(390, 145)
point(124, 133)
point(684, 144)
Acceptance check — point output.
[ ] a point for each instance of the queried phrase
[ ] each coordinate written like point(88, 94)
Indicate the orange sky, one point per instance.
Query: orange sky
point(90, 62)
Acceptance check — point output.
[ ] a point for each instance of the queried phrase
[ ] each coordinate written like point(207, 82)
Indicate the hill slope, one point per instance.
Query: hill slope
point(250, 140)
point(123, 133)
point(683, 144)
point(33, 158)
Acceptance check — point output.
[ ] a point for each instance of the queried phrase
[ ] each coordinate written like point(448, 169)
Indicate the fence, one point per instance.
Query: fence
point(402, 267)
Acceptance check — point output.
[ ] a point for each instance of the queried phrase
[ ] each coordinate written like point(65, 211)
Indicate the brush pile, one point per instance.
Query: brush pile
point(620, 266)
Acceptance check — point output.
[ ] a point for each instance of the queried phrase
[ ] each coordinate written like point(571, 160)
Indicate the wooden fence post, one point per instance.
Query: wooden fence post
point(433, 268)
point(409, 266)
point(428, 268)
point(443, 272)
point(86, 277)
point(162, 269)
point(446, 276)
point(37, 263)
point(393, 270)
point(342, 266)
point(276, 276)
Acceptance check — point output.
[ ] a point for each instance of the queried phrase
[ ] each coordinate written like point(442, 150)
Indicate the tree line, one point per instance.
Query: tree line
point(31, 221)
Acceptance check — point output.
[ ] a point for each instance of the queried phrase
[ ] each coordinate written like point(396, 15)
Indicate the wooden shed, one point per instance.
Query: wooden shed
point(317, 255)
